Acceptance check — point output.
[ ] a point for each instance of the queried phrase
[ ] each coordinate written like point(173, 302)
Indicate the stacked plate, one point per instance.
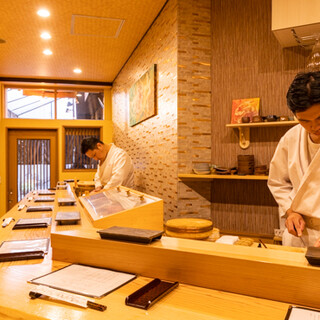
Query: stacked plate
point(201, 168)
point(245, 164)
point(261, 170)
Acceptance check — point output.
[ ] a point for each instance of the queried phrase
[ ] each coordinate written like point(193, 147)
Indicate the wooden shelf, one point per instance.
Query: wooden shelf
point(244, 129)
point(210, 177)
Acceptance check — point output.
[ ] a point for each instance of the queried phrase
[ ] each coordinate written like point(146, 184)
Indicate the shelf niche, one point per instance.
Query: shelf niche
point(244, 129)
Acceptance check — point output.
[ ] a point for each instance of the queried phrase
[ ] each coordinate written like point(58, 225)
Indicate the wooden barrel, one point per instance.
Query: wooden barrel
point(189, 228)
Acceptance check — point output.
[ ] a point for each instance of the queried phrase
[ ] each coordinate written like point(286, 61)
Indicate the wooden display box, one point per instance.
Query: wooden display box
point(125, 207)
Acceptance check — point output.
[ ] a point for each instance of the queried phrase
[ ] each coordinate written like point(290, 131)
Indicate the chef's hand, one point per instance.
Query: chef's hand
point(317, 243)
point(295, 223)
point(96, 190)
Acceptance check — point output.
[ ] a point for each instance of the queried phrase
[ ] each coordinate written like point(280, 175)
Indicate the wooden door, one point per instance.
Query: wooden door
point(32, 163)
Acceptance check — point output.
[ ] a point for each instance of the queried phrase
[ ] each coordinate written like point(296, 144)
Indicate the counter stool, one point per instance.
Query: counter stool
point(188, 228)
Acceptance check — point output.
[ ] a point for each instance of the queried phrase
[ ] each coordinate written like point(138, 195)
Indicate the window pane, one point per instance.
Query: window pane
point(79, 105)
point(33, 158)
point(74, 159)
point(29, 103)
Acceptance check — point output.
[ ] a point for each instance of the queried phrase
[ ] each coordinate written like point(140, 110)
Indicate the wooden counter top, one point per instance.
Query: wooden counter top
point(186, 302)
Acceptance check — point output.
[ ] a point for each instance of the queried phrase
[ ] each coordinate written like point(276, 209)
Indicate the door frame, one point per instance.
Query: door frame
point(16, 133)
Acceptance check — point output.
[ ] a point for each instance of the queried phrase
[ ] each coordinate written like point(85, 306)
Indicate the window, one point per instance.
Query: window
point(36, 103)
point(74, 159)
point(30, 103)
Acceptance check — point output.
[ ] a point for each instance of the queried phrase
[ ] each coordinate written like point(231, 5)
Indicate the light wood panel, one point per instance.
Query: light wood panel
point(286, 276)
point(84, 35)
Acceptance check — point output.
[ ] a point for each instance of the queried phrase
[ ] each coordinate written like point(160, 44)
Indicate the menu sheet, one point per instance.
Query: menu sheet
point(86, 280)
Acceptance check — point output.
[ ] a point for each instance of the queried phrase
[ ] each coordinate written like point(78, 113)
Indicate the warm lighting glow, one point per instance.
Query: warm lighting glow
point(77, 70)
point(45, 35)
point(47, 52)
point(43, 13)
point(79, 95)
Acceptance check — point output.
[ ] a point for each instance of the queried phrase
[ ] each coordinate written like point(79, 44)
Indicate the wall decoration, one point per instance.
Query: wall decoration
point(244, 108)
point(142, 97)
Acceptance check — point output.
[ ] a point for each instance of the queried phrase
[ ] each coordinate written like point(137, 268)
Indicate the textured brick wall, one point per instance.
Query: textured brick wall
point(152, 144)
point(179, 135)
point(194, 103)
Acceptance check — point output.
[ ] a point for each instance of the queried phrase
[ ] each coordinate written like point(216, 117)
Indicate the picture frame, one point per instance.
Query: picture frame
point(142, 97)
point(244, 108)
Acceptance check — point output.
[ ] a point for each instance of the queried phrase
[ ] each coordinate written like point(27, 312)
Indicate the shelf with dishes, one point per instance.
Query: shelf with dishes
point(211, 177)
point(244, 129)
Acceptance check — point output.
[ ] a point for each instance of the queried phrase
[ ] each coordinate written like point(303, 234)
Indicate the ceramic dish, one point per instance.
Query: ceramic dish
point(201, 171)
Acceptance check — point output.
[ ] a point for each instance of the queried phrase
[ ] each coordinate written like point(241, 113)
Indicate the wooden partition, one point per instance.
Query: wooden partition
point(266, 273)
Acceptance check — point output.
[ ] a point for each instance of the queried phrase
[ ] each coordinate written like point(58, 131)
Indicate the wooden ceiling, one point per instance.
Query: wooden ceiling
point(97, 36)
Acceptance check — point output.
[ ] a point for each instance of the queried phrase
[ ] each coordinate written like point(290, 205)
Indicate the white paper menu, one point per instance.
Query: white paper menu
point(299, 313)
point(85, 280)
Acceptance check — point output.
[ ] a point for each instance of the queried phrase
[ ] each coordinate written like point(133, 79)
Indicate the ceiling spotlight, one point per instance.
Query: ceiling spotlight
point(43, 13)
point(77, 70)
point(79, 95)
point(47, 52)
point(45, 35)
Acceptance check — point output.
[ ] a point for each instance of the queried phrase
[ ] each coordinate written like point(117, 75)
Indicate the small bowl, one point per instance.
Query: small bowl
point(257, 119)
point(201, 171)
point(245, 119)
point(284, 118)
point(272, 118)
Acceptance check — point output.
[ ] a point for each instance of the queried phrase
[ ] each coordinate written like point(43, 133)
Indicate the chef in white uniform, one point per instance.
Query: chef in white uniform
point(115, 167)
point(294, 178)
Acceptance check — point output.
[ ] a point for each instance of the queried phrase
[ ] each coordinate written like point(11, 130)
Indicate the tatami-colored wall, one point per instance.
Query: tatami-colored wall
point(6, 124)
point(247, 62)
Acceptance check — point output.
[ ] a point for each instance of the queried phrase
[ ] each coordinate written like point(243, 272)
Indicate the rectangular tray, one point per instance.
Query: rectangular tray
point(44, 199)
point(313, 256)
point(149, 294)
point(39, 208)
point(32, 223)
point(63, 218)
point(130, 234)
point(66, 201)
point(46, 193)
point(21, 256)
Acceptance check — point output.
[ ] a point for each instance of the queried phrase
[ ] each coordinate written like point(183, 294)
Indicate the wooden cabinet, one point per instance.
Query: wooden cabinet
point(295, 21)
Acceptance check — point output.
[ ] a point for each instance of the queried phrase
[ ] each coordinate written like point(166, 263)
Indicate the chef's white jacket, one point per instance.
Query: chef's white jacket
point(117, 169)
point(294, 182)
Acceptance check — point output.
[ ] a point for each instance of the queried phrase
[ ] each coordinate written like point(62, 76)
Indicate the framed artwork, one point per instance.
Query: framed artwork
point(244, 108)
point(142, 97)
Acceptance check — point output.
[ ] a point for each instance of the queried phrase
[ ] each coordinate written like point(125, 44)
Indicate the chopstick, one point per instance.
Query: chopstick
point(263, 243)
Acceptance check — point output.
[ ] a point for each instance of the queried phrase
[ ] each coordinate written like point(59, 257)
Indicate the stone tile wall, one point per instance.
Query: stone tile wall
point(179, 135)
point(152, 144)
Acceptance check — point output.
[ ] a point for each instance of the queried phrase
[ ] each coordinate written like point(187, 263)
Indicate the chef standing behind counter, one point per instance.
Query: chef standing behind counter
point(294, 178)
point(115, 167)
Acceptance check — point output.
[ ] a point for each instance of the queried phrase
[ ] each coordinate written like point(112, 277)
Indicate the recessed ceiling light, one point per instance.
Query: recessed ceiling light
point(79, 95)
point(47, 52)
point(45, 35)
point(43, 13)
point(77, 70)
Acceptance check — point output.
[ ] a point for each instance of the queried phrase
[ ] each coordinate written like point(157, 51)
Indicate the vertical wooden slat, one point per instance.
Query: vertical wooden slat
point(23, 176)
point(73, 139)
